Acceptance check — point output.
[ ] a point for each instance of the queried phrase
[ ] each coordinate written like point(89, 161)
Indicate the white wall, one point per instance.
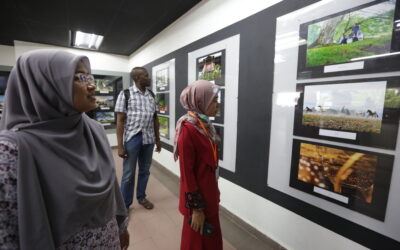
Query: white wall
point(205, 18)
point(98, 60)
point(285, 227)
point(7, 56)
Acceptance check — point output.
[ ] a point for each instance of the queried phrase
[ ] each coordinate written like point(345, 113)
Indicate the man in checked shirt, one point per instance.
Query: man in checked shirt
point(137, 132)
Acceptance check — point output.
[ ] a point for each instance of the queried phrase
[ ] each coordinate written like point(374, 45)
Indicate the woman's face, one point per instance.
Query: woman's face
point(213, 107)
point(83, 90)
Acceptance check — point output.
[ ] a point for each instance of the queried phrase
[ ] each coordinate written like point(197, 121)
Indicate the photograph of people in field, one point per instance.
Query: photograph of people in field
point(341, 171)
point(354, 107)
point(361, 33)
point(162, 79)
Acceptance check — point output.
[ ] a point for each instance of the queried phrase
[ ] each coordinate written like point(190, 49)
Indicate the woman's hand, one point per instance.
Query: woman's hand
point(198, 218)
point(124, 240)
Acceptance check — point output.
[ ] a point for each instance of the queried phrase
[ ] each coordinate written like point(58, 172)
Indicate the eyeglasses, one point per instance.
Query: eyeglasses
point(84, 78)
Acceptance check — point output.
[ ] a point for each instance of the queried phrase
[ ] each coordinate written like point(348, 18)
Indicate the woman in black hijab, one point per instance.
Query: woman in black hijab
point(58, 185)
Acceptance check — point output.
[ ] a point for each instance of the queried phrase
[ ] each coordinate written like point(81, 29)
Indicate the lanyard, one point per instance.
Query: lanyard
point(213, 145)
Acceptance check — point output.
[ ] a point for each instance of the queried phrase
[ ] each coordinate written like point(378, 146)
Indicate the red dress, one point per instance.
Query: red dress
point(198, 188)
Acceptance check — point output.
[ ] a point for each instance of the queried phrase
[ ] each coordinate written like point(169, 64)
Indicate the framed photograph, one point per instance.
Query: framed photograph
point(164, 126)
point(104, 86)
point(105, 102)
point(358, 180)
point(364, 39)
point(220, 133)
point(362, 112)
point(211, 67)
point(105, 118)
point(219, 117)
point(162, 79)
point(163, 103)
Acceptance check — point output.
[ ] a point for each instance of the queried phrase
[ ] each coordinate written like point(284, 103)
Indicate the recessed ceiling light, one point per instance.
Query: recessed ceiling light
point(87, 41)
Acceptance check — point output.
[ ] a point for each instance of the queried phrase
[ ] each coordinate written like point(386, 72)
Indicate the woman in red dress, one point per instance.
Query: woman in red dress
point(196, 147)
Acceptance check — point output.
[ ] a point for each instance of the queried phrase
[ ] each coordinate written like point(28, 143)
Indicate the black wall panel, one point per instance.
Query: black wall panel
point(256, 74)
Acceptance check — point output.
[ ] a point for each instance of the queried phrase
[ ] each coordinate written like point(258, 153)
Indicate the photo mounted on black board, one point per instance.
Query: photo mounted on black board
point(362, 112)
point(211, 67)
point(360, 40)
point(164, 126)
point(163, 103)
point(105, 102)
point(162, 79)
point(356, 179)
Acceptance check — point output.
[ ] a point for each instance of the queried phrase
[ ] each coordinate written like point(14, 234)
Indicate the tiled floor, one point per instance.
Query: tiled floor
point(160, 228)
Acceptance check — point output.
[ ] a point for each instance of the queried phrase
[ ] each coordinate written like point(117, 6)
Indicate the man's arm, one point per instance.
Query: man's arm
point(157, 132)
point(121, 117)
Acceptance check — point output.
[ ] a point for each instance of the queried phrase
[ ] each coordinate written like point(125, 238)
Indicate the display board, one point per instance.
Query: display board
point(163, 85)
point(209, 63)
point(107, 90)
point(264, 94)
point(337, 141)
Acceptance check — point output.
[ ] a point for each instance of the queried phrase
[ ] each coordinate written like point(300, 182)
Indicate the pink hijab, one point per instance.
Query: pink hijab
point(196, 98)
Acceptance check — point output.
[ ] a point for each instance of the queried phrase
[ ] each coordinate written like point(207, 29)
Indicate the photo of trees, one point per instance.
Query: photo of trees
point(360, 33)
point(392, 99)
point(104, 85)
point(162, 99)
point(354, 107)
point(162, 79)
point(164, 126)
point(341, 171)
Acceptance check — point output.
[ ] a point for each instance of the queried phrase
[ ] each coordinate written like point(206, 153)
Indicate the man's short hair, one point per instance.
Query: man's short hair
point(135, 70)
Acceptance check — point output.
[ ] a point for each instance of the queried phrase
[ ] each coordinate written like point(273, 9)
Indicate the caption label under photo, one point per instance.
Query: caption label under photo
point(344, 67)
point(332, 195)
point(338, 134)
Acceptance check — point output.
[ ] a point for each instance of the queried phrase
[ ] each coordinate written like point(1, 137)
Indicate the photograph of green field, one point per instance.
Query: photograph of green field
point(338, 170)
point(354, 107)
point(361, 33)
point(164, 126)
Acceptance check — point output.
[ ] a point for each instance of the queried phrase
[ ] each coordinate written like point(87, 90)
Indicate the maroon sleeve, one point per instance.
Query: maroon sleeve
point(187, 162)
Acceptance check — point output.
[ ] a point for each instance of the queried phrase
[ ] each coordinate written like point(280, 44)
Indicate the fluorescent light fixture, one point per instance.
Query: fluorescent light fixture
point(375, 56)
point(87, 41)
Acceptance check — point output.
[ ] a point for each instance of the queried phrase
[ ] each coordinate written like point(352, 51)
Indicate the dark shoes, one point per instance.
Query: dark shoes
point(146, 203)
